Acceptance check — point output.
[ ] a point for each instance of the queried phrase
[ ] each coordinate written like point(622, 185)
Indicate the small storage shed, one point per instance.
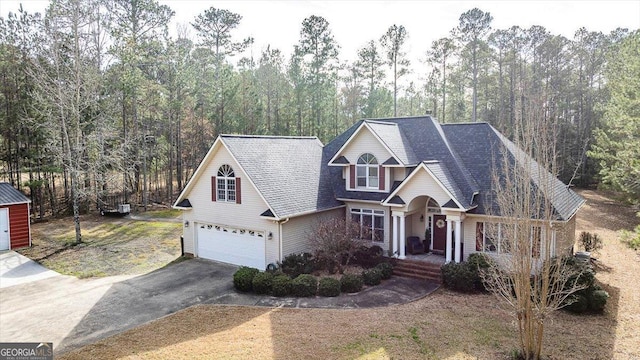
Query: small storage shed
point(15, 227)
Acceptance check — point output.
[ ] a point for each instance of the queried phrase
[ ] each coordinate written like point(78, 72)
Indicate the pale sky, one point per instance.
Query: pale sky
point(353, 23)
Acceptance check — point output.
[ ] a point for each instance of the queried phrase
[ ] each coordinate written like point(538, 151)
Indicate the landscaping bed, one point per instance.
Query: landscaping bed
point(303, 275)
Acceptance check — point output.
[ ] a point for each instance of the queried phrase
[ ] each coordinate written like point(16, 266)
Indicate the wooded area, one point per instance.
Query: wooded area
point(101, 106)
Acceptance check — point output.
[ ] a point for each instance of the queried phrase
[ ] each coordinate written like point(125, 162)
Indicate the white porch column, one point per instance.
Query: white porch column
point(403, 241)
point(394, 219)
point(457, 255)
point(447, 249)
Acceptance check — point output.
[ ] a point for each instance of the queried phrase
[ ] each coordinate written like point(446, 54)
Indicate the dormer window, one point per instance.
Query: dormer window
point(226, 184)
point(367, 172)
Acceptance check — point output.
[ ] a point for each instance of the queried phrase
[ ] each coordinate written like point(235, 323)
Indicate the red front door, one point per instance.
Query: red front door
point(439, 233)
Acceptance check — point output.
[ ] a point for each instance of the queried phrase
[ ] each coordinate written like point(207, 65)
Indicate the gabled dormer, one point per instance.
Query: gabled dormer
point(370, 154)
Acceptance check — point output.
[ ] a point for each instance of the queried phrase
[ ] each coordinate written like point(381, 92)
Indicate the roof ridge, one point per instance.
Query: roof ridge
point(269, 136)
point(401, 117)
point(467, 123)
point(456, 158)
point(381, 122)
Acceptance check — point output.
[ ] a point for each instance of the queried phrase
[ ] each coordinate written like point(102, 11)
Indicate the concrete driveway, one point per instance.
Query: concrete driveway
point(16, 269)
point(72, 312)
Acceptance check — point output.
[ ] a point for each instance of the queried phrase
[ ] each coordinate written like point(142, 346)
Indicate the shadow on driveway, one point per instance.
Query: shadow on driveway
point(130, 303)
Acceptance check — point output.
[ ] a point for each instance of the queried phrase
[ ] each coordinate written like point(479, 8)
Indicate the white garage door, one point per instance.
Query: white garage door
point(231, 245)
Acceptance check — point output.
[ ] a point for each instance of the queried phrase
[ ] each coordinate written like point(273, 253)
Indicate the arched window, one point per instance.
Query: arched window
point(226, 184)
point(367, 171)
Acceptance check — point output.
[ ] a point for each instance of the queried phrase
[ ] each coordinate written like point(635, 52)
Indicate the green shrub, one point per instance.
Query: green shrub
point(296, 264)
point(458, 277)
point(372, 276)
point(597, 300)
point(281, 285)
point(465, 276)
point(590, 242)
point(351, 283)
point(262, 283)
point(579, 304)
point(591, 298)
point(386, 269)
point(478, 262)
point(243, 278)
point(368, 257)
point(632, 238)
point(304, 285)
point(329, 287)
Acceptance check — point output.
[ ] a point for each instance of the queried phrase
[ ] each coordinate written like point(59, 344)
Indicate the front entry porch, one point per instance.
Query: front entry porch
point(439, 230)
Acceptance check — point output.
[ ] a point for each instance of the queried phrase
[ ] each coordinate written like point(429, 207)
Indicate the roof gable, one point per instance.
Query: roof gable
point(10, 196)
point(424, 181)
point(363, 140)
point(218, 146)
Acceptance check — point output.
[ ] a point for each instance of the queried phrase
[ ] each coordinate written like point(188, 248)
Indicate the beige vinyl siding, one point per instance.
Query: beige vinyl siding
point(565, 237)
point(365, 142)
point(469, 235)
point(187, 233)
point(423, 184)
point(296, 231)
point(386, 245)
point(244, 216)
point(399, 173)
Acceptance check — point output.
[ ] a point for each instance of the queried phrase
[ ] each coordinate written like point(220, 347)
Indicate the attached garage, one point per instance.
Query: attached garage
point(15, 226)
point(231, 245)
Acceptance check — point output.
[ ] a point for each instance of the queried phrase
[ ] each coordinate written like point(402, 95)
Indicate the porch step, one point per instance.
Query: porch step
point(417, 270)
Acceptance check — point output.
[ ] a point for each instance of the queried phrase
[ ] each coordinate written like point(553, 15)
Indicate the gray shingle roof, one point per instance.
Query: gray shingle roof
point(185, 203)
point(395, 140)
point(460, 155)
point(442, 173)
point(427, 141)
point(9, 195)
point(293, 175)
point(480, 147)
point(288, 171)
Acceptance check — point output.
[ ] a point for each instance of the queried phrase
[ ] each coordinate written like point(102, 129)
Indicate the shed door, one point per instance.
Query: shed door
point(4, 229)
point(231, 245)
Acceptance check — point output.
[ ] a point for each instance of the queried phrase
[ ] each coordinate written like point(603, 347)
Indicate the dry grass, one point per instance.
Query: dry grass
point(444, 325)
point(111, 246)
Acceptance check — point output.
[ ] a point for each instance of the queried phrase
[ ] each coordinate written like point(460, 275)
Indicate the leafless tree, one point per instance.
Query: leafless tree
point(528, 274)
point(335, 241)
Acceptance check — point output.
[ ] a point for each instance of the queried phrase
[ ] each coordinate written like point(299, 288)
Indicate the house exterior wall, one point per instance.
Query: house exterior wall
point(365, 142)
point(566, 237)
point(422, 184)
point(469, 235)
point(245, 215)
point(296, 231)
point(19, 225)
point(386, 245)
point(399, 173)
point(564, 233)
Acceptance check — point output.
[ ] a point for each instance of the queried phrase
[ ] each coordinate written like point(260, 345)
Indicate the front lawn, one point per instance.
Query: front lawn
point(443, 325)
point(111, 246)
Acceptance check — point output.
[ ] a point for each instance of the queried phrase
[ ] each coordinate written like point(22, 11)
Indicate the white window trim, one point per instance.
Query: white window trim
point(499, 239)
point(373, 213)
point(227, 181)
point(367, 177)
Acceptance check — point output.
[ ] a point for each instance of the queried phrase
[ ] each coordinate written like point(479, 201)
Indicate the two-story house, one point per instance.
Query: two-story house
point(254, 199)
